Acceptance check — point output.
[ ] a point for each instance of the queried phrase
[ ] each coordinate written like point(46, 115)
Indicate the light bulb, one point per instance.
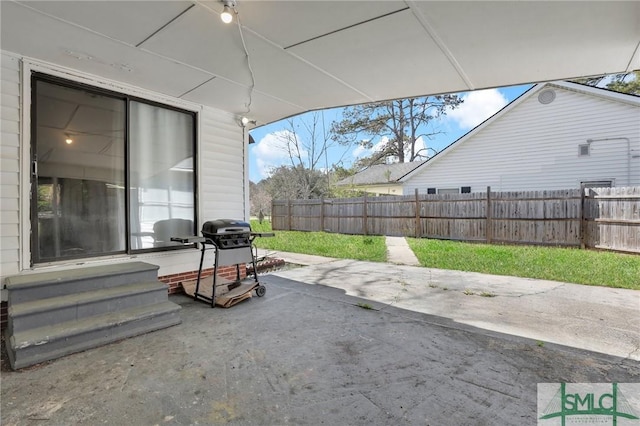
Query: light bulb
point(226, 15)
point(68, 140)
point(245, 121)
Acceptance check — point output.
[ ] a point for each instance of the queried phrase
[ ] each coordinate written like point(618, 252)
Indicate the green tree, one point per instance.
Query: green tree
point(288, 182)
point(402, 122)
point(626, 83)
point(623, 82)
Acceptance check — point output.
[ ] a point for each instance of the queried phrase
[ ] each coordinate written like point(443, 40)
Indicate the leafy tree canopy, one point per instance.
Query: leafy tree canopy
point(295, 182)
point(623, 83)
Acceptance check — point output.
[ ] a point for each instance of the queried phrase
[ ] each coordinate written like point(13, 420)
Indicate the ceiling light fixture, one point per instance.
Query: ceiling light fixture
point(229, 7)
point(68, 139)
point(246, 120)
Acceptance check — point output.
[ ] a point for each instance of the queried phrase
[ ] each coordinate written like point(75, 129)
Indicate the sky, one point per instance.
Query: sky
point(478, 105)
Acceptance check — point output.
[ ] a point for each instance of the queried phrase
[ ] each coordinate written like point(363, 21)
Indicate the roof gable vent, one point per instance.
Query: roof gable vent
point(546, 96)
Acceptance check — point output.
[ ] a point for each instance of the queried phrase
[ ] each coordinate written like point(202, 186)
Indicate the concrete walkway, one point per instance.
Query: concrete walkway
point(398, 252)
point(599, 319)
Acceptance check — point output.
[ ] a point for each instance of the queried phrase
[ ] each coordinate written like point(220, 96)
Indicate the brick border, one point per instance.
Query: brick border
point(174, 281)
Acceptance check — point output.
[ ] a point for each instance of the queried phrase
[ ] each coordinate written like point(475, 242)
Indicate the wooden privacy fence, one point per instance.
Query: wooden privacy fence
point(604, 218)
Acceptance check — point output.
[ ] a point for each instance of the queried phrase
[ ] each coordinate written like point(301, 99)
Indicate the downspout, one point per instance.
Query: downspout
point(629, 156)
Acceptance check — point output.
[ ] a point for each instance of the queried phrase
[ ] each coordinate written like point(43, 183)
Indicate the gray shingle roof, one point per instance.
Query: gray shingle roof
point(380, 174)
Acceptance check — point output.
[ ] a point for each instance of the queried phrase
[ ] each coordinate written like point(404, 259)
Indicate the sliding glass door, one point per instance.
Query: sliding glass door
point(110, 174)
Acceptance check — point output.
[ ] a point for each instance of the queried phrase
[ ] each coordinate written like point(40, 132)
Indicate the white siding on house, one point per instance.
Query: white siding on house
point(9, 164)
point(221, 167)
point(535, 146)
point(220, 187)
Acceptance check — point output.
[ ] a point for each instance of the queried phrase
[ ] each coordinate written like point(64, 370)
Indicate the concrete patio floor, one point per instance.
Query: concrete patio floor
point(304, 354)
point(593, 318)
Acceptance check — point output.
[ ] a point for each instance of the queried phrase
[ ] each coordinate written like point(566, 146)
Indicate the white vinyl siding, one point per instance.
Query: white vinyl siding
point(10, 165)
point(221, 170)
point(535, 147)
point(221, 174)
point(448, 191)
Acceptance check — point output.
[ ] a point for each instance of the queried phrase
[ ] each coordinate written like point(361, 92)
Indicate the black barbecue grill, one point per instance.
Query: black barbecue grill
point(233, 244)
point(227, 233)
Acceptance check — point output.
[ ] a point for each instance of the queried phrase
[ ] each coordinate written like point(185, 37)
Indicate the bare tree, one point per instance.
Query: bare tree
point(306, 144)
point(402, 121)
point(259, 198)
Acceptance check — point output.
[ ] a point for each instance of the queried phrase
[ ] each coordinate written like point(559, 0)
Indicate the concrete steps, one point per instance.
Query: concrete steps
point(55, 314)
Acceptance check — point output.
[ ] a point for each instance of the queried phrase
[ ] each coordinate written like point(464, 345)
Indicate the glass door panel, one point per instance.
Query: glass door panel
point(162, 179)
point(79, 175)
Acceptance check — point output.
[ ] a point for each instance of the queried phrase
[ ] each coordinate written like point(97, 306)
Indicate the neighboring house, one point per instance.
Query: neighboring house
point(555, 136)
point(380, 179)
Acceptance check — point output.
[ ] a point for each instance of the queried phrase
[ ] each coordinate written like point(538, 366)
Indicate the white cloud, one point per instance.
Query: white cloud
point(421, 144)
point(271, 151)
point(477, 107)
point(360, 152)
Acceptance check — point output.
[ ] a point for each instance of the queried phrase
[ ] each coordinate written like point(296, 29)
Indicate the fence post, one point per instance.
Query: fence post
point(418, 230)
point(289, 209)
point(365, 229)
point(489, 224)
point(322, 213)
point(583, 217)
point(273, 206)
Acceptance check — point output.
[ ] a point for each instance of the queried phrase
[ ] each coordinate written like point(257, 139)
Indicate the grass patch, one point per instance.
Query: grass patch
point(358, 247)
point(599, 268)
point(468, 292)
point(487, 294)
point(364, 306)
point(550, 263)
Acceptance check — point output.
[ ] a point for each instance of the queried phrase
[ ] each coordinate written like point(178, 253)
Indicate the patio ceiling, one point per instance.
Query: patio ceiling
point(309, 55)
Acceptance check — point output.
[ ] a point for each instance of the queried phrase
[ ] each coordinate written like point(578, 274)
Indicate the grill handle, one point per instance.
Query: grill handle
point(235, 230)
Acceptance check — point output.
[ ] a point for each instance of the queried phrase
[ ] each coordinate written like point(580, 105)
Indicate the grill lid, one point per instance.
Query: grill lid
point(225, 226)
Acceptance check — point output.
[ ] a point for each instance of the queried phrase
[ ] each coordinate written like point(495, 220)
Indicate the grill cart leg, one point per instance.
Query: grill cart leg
point(260, 289)
point(215, 280)
point(195, 294)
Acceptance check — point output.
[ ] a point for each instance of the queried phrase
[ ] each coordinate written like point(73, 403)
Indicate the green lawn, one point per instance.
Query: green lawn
point(550, 263)
point(322, 244)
